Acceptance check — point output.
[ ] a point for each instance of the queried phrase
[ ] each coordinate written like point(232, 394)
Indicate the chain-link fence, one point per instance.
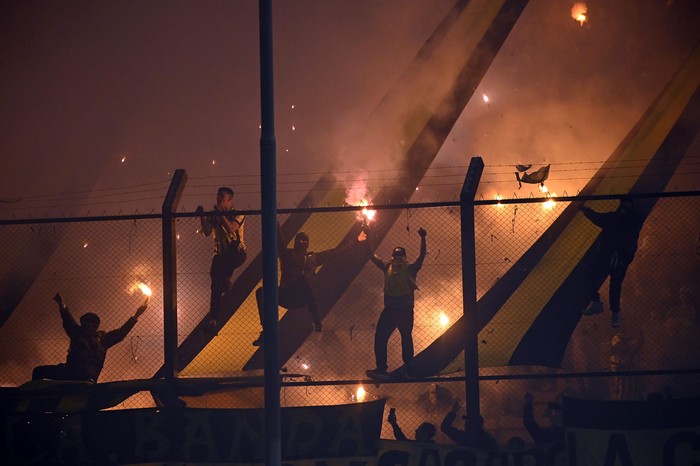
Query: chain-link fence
point(531, 258)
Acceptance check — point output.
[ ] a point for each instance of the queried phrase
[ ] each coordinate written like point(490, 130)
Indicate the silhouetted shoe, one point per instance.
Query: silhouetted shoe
point(211, 326)
point(377, 374)
point(594, 307)
point(616, 318)
point(259, 341)
point(318, 327)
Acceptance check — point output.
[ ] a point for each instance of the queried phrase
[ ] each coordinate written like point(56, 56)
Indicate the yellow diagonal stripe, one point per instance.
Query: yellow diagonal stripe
point(509, 325)
point(231, 349)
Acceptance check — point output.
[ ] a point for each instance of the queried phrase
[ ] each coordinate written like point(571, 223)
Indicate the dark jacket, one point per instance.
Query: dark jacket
point(620, 231)
point(88, 347)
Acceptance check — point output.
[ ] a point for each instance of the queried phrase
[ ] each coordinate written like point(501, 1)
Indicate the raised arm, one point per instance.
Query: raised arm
point(597, 218)
point(398, 433)
point(423, 249)
point(204, 221)
point(115, 336)
point(69, 324)
point(448, 429)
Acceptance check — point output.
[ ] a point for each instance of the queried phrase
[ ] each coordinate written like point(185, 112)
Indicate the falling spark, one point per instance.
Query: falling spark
point(85, 245)
point(294, 128)
point(124, 159)
point(485, 97)
point(213, 162)
point(177, 236)
point(292, 105)
point(361, 393)
point(305, 366)
point(444, 320)
point(578, 13)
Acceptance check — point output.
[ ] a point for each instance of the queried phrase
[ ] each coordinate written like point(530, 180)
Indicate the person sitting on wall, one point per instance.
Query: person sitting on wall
point(88, 345)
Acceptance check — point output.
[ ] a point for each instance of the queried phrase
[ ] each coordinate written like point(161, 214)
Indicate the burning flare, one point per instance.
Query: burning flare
point(368, 214)
point(578, 13)
point(361, 394)
point(141, 286)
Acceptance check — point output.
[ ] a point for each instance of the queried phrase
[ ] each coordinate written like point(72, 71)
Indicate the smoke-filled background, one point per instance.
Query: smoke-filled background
point(102, 101)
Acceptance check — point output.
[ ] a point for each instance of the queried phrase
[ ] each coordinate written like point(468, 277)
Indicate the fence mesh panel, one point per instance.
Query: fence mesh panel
point(97, 264)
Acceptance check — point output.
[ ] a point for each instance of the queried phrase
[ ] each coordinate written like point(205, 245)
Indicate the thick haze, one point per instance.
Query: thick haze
point(175, 85)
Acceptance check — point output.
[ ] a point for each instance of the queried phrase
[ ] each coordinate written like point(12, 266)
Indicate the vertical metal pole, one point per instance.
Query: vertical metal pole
point(471, 347)
point(268, 174)
point(172, 199)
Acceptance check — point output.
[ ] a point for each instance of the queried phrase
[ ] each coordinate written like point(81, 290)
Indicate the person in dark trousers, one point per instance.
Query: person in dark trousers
point(424, 433)
point(399, 288)
point(540, 434)
point(229, 248)
point(614, 252)
point(298, 266)
point(88, 345)
point(483, 439)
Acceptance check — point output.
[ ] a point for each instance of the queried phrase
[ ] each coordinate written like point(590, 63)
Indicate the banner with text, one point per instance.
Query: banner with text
point(632, 433)
point(231, 436)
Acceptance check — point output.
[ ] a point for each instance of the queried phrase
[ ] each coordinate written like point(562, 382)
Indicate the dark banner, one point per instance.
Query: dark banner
point(189, 435)
point(632, 433)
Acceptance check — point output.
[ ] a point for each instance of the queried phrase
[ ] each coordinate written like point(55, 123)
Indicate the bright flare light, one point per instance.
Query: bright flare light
point(485, 97)
point(499, 198)
point(543, 188)
point(550, 203)
point(145, 289)
point(444, 320)
point(368, 214)
point(360, 394)
point(578, 13)
point(305, 366)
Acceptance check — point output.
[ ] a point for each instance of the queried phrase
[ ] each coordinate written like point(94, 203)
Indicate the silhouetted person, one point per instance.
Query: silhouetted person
point(229, 248)
point(298, 266)
point(614, 252)
point(553, 433)
point(399, 288)
point(88, 345)
point(424, 433)
point(483, 439)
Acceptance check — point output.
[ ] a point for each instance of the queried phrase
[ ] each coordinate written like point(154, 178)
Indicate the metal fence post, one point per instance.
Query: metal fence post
point(172, 199)
point(471, 347)
point(268, 188)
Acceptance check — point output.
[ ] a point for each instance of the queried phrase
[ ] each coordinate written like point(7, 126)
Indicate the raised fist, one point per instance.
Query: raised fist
point(422, 232)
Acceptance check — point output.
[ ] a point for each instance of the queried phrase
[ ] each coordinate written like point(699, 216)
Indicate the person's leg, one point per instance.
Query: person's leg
point(259, 300)
point(218, 286)
point(385, 327)
point(596, 271)
point(618, 269)
point(309, 298)
point(405, 325)
point(55, 372)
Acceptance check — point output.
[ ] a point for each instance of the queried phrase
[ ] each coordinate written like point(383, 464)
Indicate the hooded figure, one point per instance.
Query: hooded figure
point(88, 345)
point(296, 288)
point(613, 253)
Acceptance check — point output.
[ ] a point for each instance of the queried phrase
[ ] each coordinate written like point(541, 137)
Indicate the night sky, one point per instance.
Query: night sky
point(166, 85)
